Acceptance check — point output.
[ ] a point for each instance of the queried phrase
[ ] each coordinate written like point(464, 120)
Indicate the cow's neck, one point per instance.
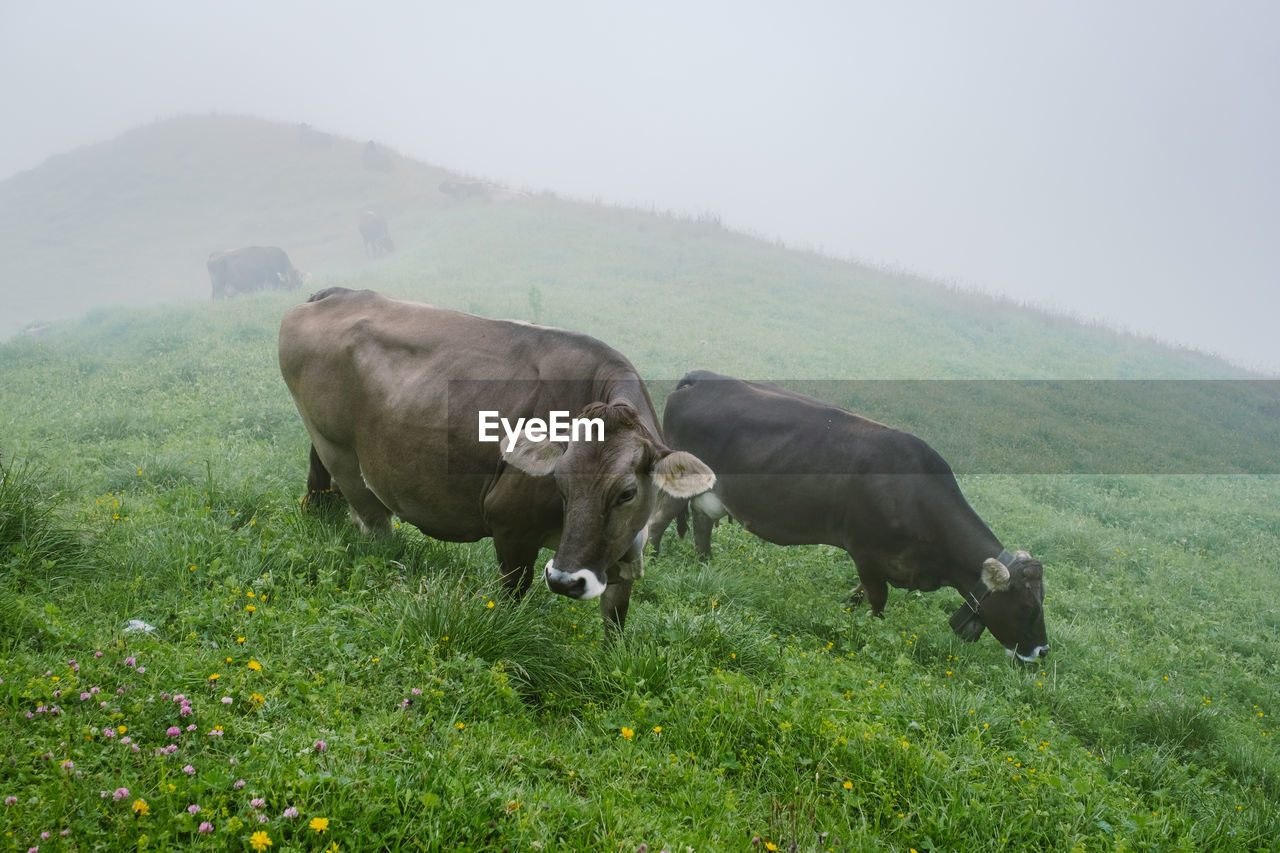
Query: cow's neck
point(969, 547)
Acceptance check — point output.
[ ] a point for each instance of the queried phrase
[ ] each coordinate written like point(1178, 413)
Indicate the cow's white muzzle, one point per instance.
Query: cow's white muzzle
point(1036, 654)
point(581, 585)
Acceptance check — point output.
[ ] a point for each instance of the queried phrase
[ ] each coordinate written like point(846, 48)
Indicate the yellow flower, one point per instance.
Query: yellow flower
point(250, 608)
point(657, 730)
point(122, 729)
point(239, 639)
point(628, 733)
point(254, 665)
point(490, 605)
point(319, 824)
point(140, 807)
point(770, 846)
point(848, 786)
point(459, 726)
point(215, 676)
point(257, 698)
point(260, 841)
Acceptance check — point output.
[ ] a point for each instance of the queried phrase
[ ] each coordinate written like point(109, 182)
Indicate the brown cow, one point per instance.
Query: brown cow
point(403, 402)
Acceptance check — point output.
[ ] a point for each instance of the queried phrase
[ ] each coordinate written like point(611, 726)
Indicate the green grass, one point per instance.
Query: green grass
point(151, 467)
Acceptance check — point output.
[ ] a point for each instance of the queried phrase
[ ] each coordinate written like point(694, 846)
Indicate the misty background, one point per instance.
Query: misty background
point(1113, 161)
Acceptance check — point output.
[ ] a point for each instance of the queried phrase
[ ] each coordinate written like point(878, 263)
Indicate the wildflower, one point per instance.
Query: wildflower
point(848, 786)
point(227, 700)
point(249, 608)
point(173, 731)
point(216, 731)
point(189, 770)
point(120, 794)
point(193, 809)
point(319, 824)
point(628, 733)
point(254, 665)
point(239, 783)
point(416, 691)
point(10, 801)
point(205, 827)
point(215, 676)
point(657, 730)
point(260, 841)
point(129, 661)
point(321, 746)
point(122, 729)
point(257, 699)
point(290, 813)
point(459, 726)
point(108, 732)
point(257, 802)
point(68, 765)
point(239, 639)
point(490, 605)
point(770, 846)
point(140, 807)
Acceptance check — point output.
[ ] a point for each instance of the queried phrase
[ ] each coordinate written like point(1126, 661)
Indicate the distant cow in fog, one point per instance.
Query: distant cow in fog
point(377, 238)
point(376, 158)
point(309, 137)
point(251, 269)
point(462, 190)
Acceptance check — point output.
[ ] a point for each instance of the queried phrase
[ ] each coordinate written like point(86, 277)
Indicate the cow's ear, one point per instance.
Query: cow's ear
point(683, 475)
point(535, 458)
point(995, 575)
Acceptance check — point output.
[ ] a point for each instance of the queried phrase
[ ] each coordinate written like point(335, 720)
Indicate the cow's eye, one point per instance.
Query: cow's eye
point(627, 495)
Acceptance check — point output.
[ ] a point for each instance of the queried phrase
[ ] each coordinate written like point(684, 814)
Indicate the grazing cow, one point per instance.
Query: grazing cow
point(375, 158)
point(463, 190)
point(377, 238)
point(795, 470)
point(309, 137)
point(396, 397)
point(251, 269)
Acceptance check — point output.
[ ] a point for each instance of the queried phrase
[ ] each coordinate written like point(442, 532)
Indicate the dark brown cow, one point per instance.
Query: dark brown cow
point(377, 237)
point(251, 269)
point(397, 395)
point(795, 470)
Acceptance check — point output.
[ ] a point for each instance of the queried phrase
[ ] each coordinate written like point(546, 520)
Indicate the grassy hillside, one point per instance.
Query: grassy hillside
point(384, 695)
point(131, 222)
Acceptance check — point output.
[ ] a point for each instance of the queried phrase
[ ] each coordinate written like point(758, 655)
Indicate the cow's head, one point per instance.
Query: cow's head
point(609, 489)
point(1010, 605)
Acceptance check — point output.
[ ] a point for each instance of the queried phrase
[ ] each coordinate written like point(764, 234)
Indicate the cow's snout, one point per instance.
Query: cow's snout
point(1038, 653)
point(581, 585)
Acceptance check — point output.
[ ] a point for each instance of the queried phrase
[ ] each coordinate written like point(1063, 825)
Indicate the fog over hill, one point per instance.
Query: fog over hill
point(1112, 161)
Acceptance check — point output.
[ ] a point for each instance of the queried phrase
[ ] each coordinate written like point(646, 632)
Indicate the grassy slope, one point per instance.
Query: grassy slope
point(751, 694)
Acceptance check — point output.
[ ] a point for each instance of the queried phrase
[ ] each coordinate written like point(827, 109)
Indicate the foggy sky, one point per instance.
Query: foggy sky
point(1114, 160)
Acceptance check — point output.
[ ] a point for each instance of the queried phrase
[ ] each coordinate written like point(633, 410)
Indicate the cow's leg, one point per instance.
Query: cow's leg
point(321, 492)
point(516, 556)
point(614, 603)
point(668, 508)
point(873, 585)
point(370, 514)
point(702, 524)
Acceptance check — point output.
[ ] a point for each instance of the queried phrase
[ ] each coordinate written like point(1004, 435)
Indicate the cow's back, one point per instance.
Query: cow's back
point(400, 385)
point(796, 470)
